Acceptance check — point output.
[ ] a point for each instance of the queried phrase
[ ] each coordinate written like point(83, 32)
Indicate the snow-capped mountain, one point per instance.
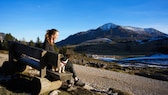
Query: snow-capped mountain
point(108, 26)
point(149, 31)
point(112, 31)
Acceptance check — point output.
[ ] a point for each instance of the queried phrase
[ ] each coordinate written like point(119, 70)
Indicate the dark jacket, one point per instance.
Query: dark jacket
point(48, 47)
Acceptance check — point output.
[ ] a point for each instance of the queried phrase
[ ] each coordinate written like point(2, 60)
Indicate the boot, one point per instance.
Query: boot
point(79, 83)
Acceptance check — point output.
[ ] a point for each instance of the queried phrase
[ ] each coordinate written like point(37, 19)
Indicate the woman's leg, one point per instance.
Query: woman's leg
point(69, 67)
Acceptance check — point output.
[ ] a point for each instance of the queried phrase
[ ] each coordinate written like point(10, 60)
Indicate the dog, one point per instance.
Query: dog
point(61, 66)
point(63, 62)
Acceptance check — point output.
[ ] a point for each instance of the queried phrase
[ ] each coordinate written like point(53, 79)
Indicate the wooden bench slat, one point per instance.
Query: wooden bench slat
point(32, 63)
point(30, 51)
point(52, 58)
point(60, 76)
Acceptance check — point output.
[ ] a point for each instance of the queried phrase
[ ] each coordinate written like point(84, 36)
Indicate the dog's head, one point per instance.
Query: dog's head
point(64, 60)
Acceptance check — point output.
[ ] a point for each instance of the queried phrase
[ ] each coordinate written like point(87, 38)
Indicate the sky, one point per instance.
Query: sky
point(29, 19)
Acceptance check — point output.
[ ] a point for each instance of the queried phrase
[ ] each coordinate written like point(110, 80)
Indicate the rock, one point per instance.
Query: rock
point(55, 92)
point(88, 87)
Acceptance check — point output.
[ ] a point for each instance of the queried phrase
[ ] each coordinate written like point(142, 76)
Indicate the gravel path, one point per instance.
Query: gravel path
point(136, 85)
point(104, 79)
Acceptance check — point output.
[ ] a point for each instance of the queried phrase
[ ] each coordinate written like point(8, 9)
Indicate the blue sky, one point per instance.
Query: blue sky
point(29, 19)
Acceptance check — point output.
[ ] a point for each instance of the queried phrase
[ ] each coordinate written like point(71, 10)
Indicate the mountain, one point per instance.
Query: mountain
point(112, 31)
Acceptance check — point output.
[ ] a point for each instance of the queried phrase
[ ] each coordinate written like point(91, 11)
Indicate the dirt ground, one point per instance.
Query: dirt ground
point(136, 85)
point(102, 80)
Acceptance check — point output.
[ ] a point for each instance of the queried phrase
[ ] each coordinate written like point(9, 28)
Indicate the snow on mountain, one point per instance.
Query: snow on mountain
point(113, 31)
point(133, 28)
point(98, 40)
point(148, 31)
point(108, 26)
point(142, 30)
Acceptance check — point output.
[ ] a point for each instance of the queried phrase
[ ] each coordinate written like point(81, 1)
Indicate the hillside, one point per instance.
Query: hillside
point(144, 47)
point(113, 32)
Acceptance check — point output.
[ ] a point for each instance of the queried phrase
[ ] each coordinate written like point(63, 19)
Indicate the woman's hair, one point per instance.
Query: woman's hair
point(49, 34)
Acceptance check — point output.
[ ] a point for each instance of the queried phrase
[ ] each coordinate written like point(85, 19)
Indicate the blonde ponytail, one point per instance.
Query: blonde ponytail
point(48, 35)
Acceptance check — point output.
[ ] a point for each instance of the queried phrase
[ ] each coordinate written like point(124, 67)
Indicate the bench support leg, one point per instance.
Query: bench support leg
point(42, 85)
point(43, 72)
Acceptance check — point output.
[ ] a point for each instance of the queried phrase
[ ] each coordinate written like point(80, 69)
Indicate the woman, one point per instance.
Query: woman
point(49, 44)
point(50, 38)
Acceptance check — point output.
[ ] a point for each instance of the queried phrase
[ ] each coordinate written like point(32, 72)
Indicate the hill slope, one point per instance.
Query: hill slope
point(112, 32)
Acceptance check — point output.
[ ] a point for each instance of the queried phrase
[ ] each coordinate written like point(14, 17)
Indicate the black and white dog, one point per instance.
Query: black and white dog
point(62, 64)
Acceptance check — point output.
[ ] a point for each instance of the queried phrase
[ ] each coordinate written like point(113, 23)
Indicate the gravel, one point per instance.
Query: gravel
point(136, 85)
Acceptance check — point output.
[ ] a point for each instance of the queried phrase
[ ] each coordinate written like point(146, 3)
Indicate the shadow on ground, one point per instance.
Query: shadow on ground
point(12, 83)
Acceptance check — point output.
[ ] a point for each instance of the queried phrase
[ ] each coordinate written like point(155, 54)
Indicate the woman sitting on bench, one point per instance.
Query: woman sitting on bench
point(49, 44)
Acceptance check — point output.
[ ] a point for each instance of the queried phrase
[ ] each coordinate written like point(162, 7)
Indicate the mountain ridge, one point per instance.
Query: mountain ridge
point(112, 31)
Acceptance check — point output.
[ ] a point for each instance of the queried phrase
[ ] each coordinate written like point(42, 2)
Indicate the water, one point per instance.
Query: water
point(156, 60)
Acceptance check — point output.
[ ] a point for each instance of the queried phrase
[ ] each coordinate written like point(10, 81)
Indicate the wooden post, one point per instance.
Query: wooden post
point(42, 85)
point(11, 51)
point(42, 64)
point(58, 60)
point(43, 72)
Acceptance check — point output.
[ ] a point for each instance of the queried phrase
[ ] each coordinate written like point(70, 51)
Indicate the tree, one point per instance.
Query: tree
point(23, 41)
point(63, 50)
point(31, 43)
point(38, 43)
point(8, 37)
